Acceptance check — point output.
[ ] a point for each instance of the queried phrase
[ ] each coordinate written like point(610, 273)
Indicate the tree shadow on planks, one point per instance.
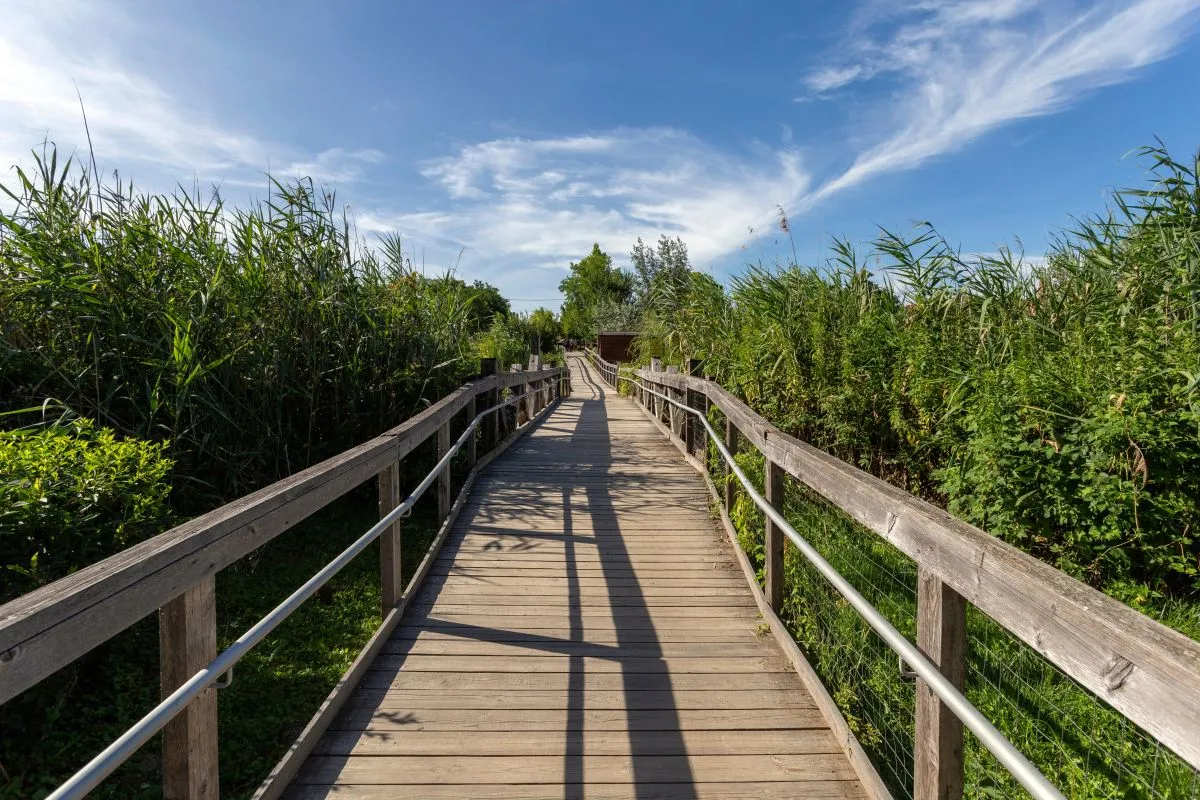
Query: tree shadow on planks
point(659, 754)
point(579, 504)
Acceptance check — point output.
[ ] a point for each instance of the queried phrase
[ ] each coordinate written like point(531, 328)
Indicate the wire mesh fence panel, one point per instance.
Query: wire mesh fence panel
point(1083, 746)
point(860, 671)
point(1080, 743)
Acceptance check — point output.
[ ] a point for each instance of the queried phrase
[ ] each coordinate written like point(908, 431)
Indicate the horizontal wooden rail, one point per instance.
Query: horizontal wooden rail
point(1143, 669)
point(52, 626)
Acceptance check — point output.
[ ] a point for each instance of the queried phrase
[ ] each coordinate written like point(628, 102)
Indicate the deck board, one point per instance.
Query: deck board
point(584, 632)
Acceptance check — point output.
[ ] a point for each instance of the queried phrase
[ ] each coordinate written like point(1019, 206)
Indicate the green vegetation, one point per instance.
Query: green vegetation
point(71, 495)
point(595, 296)
point(163, 354)
point(1054, 403)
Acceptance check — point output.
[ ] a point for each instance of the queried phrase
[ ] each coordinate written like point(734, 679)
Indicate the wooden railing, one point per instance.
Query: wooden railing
point(1147, 672)
point(174, 572)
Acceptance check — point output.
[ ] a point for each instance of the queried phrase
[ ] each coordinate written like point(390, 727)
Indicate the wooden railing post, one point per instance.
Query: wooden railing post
point(518, 389)
point(443, 483)
point(535, 399)
point(487, 368)
point(673, 411)
point(187, 640)
point(942, 636)
point(773, 541)
point(655, 401)
point(692, 426)
point(731, 444)
point(391, 583)
point(472, 450)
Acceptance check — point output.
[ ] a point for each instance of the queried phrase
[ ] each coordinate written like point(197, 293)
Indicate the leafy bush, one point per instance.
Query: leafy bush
point(73, 495)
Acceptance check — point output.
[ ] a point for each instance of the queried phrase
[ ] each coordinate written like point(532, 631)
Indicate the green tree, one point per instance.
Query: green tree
point(593, 282)
point(546, 327)
point(662, 272)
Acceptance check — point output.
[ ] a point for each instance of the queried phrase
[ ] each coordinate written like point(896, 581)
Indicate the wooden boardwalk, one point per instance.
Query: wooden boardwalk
point(585, 632)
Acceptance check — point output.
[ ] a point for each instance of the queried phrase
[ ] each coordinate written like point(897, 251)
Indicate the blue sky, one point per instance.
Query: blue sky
point(506, 136)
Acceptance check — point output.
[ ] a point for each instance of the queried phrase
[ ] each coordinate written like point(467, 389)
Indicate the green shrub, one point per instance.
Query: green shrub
point(1053, 403)
point(73, 495)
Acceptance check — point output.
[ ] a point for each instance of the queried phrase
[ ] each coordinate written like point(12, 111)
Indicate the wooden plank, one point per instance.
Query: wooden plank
point(465, 770)
point(558, 681)
point(401, 703)
point(1146, 671)
point(535, 646)
point(559, 664)
point(688, 790)
point(942, 636)
point(558, 628)
point(689, 743)
point(187, 643)
point(368, 717)
point(626, 606)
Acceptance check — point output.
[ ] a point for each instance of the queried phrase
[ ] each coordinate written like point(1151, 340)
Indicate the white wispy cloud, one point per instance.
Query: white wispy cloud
point(966, 68)
point(545, 201)
point(53, 53)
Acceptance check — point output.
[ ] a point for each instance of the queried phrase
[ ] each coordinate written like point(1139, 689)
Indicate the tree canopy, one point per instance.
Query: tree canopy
point(594, 283)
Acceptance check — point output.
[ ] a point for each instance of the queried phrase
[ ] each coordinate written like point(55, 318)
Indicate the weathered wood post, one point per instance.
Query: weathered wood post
point(655, 401)
point(472, 451)
point(443, 483)
point(487, 368)
point(942, 636)
point(773, 541)
point(692, 427)
point(517, 390)
point(673, 412)
point(187, 642)
point(535, 363)
point(390, 581)
point(731, 444)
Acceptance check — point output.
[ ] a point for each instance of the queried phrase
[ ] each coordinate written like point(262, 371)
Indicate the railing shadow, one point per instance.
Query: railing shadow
point(658, 754)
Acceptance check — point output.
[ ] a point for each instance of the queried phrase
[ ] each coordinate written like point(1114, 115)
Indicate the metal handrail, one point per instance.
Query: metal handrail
point(1020, 767)
point(100, 767)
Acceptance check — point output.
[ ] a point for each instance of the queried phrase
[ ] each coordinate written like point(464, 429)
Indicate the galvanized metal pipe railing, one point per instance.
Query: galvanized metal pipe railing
point(100, 767)
point(1005, 752)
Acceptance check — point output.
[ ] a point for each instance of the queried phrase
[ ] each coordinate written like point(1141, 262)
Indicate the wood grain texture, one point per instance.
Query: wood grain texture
point(1144, 670)
point(584, 625)
point(390, 581)
point(187, 643)
point(942, 636)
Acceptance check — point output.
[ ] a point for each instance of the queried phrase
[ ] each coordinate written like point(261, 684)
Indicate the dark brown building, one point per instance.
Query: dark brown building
point(615, 346)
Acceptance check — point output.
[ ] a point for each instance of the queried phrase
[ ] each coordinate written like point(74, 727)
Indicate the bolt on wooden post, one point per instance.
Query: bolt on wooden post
point(187, 641)
point(391, 583)
point(942, 636)
point(773, 540)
